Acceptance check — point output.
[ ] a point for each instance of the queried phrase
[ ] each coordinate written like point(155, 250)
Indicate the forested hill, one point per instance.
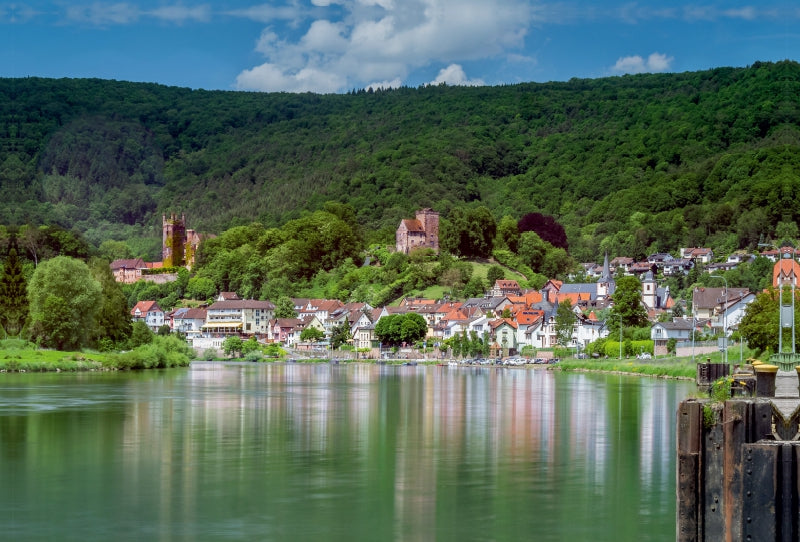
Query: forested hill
point(627, 164)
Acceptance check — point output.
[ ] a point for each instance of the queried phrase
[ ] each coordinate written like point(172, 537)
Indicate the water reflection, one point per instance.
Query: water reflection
point(355, 452)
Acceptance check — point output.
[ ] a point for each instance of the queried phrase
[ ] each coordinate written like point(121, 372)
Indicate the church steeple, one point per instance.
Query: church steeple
point(606, 276)
point(606, 285)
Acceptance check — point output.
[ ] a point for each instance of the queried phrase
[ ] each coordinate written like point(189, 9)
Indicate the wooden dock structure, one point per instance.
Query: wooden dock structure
point(738, 467)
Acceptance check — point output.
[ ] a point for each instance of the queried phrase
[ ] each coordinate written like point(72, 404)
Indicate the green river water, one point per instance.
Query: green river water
point(337, 452)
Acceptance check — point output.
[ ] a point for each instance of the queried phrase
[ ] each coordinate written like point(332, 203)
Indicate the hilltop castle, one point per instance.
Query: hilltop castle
point(422, 232)
point(179, 245)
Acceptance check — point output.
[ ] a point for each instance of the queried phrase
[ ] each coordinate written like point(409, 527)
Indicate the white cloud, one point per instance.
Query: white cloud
point(104, 14)
point(656, 62)
point(394, 83)
point(180, 14)
point(304, 80)
point(266, 13)
point(454, 75)
point(384, 40)
point(123, 13)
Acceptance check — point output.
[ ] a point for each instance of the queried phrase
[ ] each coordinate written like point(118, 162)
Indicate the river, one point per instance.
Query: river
point(338, 452)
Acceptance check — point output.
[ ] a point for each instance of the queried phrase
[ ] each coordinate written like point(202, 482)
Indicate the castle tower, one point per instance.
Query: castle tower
point(430, 223)
point(173, 240)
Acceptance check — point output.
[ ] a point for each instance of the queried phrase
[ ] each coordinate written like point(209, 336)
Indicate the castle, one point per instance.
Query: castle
point(179, 245)
point(421, 232)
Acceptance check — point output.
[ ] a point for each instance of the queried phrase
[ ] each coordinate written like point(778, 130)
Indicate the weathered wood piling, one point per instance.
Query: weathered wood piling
point(737, 467)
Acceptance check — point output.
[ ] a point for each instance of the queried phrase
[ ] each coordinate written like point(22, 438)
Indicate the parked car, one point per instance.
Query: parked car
point(644, 355)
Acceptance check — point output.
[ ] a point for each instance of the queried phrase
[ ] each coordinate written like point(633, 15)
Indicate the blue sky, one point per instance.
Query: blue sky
point(336, 45)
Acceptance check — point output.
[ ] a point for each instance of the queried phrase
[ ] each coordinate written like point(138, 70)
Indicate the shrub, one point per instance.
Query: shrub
point(254, 355)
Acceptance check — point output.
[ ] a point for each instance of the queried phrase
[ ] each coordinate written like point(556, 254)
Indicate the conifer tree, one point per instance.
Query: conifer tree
point(13, 293)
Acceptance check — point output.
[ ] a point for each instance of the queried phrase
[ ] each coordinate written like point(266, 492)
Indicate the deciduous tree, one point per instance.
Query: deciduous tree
point(64, 300)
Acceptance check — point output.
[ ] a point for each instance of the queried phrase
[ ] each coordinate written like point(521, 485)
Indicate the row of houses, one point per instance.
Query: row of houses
point(668, 265)
point(509, 317)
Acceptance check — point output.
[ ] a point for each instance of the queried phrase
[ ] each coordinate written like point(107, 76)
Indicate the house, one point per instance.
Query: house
point(419, 232)
point(679, 329)
point(659, 258)
point(239, 316)
point(776, 254)
point(725, 307)
point(503, 333)
point(503, 287)
point(621, 264)
point(698, 255)
point(188, 321)
point(127, 271)
point(677, 266)
point(285, 330)
point(786, 269)
point(148, 312)
point(587, 329)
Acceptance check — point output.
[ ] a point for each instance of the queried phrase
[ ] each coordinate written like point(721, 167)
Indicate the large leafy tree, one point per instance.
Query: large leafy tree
point(64, 301)
point(627, 298)
point(284, 308)
point(340, 335)
point(113, 321)
point(468, 232)
point(405, 328)
point(761, 320)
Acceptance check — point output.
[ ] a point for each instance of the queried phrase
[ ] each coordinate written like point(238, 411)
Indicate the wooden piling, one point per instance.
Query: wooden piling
point(737, 473)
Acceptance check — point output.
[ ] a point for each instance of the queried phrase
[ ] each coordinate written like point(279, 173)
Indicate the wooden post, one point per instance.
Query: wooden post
point(690, 425)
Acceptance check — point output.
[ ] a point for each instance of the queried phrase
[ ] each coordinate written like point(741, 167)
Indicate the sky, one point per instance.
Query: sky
point(333, 46)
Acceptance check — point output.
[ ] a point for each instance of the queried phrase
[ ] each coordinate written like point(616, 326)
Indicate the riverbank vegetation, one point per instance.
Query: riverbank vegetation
point(160, 353)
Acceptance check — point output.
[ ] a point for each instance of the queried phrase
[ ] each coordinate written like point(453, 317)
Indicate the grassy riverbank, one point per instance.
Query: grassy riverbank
point(667, 368)
point(162, 352)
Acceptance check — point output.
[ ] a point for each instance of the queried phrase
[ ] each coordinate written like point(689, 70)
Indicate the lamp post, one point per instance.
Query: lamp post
point(620, 336)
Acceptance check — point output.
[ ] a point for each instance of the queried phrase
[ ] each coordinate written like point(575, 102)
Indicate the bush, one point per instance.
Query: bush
point(210, 354)
point(254, 355)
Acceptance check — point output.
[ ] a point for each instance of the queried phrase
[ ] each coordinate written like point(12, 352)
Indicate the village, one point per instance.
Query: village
point(513, 320)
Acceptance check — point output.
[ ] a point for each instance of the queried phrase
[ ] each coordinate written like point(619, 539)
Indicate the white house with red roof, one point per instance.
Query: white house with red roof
point(148, 312)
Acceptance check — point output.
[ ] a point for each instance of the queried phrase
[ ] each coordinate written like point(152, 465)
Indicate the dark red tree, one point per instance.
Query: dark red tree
point(545, 227)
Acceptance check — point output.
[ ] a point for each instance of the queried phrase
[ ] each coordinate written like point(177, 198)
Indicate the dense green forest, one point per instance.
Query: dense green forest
point(628, 165)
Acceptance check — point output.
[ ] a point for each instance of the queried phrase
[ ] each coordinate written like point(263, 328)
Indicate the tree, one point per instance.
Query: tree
point(495, 273)
point(284, 308)
point(761, 321)
point(396, 329)
point(468, 232)
point(312, 334)
point(64, 300)
point(13, 295)
point(508, 233)
point(200, 288)
point(545, 227)
point(113, 320)
point(140, 334)
point(627, 298)
point(413, 328)
point(565, 323)
point(232, 345)
point(340, 335)
point(250, 345)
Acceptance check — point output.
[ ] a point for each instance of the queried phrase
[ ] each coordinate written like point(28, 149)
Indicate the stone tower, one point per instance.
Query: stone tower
point(430, 223)
point(173, 240)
